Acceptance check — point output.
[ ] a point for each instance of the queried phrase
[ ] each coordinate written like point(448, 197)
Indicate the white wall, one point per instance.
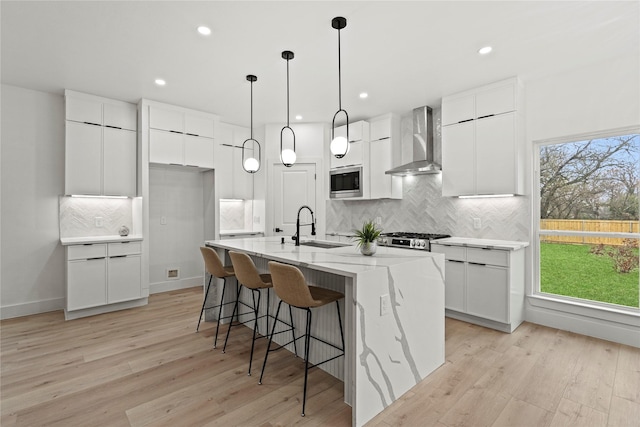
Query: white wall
point(32, 263)
point(177, 194)
point(604, 96)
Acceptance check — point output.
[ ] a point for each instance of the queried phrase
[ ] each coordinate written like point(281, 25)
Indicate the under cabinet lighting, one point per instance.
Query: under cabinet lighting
point(485, 196)
point(232, 200)
point(90, 196)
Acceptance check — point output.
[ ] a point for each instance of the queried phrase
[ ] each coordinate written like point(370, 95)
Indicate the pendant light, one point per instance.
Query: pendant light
point(339, 144)
point(251, 164)
point(287, 155)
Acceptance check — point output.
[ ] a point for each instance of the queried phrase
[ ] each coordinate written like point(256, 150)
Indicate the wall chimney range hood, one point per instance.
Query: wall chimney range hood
point(423, 159)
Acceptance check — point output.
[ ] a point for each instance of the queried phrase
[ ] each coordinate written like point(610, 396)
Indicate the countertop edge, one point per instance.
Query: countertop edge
point(511, 245)
point(68, 241)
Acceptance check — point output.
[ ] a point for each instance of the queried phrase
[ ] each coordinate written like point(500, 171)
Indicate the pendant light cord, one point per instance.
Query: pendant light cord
point(287, 92)
point(339, 75)
point(252, 110)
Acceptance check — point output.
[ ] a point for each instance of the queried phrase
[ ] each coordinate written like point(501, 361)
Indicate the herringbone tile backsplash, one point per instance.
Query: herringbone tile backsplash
point(424, 210)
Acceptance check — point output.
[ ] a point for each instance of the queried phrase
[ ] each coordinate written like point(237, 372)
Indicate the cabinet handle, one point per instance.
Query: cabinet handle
point(456, 260)
point(175, 131)
point(192, 166)
point(118, 256)
point(93, 259)
point(192, 134)
point(175, 164)
point(226, 145)
point(87, 244)
point(464, 121)
point(113, 127)
point(488, 115)
point(478, 263)
point(92, 124)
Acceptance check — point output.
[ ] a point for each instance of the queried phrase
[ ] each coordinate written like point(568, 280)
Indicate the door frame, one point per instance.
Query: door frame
point(320, 195)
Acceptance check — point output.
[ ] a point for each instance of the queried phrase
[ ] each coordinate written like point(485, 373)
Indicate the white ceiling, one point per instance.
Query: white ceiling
point(404, 54)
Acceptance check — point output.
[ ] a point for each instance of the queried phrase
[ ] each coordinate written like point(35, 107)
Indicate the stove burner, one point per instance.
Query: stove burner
point(408, 235)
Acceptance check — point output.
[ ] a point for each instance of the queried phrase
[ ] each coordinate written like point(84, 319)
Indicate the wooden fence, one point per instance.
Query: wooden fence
point(587, 225)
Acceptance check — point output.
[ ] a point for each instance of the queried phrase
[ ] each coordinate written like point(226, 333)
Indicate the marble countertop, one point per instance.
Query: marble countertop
point(65, 241)
point(343, 260)
point(239, 232)
point(341, 233)
point(510, 245)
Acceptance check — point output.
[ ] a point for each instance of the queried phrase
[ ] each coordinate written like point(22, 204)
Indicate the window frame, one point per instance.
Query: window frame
point(567, 304)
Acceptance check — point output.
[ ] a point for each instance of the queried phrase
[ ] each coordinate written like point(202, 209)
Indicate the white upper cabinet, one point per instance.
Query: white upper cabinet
point(482, 141)
point(100, 146)
point(232, 182)
point(83, 110)
point(358, 137)
point(178, 136)
point(384, 154)
point(120, 116)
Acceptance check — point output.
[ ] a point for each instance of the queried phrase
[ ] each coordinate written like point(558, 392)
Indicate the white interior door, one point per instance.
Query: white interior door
point(293, 187)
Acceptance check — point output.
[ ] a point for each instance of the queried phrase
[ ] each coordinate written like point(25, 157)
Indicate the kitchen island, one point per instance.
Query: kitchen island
point(393, 314)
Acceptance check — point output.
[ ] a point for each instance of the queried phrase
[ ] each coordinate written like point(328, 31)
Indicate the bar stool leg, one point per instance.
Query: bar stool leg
point(224, 286)
point(235, 308)
point(340, 323)
point(293, 332)
point(206, 294)
point(307, 344)
point(256, 310)
point(266, 354)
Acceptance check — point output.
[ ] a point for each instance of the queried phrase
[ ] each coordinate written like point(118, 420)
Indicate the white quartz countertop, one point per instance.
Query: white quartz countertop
point(344, 260)
point(239, 232)
point(65, 241)
point(510, 245)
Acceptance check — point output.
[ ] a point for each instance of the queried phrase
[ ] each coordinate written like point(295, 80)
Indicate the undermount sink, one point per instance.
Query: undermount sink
point(325, 245)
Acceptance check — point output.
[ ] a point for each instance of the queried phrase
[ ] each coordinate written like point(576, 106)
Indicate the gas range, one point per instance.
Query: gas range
point(420, 241)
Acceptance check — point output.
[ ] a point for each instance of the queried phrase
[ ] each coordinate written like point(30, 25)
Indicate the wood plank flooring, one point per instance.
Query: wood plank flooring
point(147, 367)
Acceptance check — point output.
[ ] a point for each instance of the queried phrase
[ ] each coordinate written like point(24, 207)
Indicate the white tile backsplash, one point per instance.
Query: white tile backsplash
point(77, 216)
point(236, 215)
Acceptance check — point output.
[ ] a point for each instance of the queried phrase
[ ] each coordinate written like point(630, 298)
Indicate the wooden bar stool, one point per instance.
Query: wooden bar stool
point(291, 287)
point(215, 268)
point(249, 277)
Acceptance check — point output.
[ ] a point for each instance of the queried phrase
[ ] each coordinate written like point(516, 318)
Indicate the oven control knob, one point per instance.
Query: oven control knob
point(423, 244)
point(412, 243)
point(383, 241)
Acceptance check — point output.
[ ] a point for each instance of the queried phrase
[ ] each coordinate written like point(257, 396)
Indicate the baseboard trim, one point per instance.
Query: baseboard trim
point(33, 307)
point(108, 308)
point(172, 285)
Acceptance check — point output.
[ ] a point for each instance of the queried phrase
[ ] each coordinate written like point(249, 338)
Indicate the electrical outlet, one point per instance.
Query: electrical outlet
point(378, 220)
point(477, 223)
point(163, 220)
point(99, 222)
point(385, 304)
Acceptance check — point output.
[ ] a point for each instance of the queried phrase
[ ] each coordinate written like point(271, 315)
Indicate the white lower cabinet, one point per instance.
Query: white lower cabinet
point(103, 273)
point(484, 285)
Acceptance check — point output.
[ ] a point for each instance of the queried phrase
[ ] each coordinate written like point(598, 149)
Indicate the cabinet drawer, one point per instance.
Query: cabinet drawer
point(86, 251)
point(450, 252)
point(488, 256)
point(125, 248)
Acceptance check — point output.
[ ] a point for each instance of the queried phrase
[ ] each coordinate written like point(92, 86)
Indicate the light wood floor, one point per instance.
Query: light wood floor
point(147, 366)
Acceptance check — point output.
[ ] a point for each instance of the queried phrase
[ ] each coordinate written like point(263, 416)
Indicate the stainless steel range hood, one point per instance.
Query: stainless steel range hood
point(423, 159)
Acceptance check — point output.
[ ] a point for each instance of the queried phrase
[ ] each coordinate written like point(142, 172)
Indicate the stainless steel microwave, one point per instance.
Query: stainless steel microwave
point(346, 182)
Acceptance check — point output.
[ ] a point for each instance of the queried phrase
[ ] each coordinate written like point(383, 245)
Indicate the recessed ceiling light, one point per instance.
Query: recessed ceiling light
point(298, 117)
point(205, 31)
point(160, 82)
point(364, 95)
point(485, 50)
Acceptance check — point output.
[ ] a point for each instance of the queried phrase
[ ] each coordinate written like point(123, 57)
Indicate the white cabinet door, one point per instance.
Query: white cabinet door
point(455, 284)
point(198, 151)
point(120, 160)
point(496, 155)
point(121, 116)
point(356, 131)
point(458, 159)
point(164, 119)
point(488, 292)
point(83, 159)
point(224, 170)
point(86, 283)
point(380, 129)
point(458, 109)
point(353, 158)
point(166, 147)
point(198, 125)
point(496, 100)
point(83, 110)
point(380, 161)
point(242, 181)
point(124, 275)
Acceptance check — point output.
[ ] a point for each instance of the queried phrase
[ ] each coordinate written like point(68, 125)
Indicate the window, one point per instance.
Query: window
point(588, 236)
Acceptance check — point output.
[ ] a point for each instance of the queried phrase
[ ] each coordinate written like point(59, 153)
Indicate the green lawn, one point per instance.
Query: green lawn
point(572, 271)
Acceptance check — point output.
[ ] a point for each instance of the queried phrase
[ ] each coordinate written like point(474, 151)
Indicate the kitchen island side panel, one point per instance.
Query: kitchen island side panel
point(399, 332)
